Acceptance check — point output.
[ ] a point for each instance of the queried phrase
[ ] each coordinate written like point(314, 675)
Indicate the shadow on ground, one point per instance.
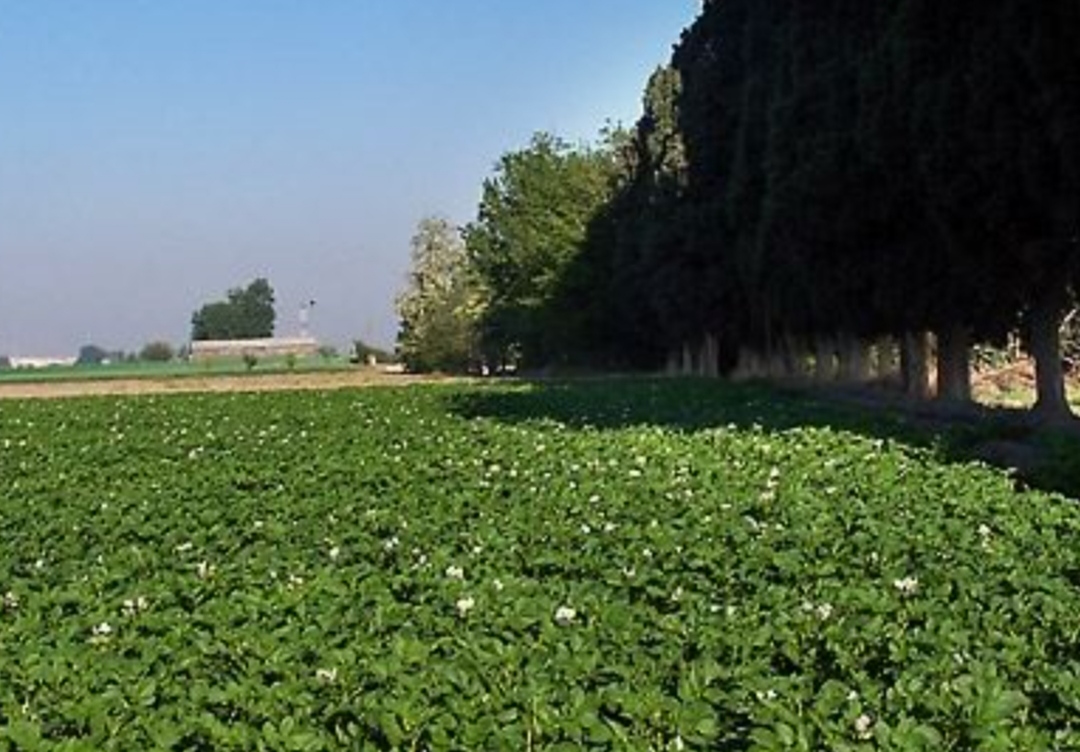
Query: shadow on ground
point(1043, 458)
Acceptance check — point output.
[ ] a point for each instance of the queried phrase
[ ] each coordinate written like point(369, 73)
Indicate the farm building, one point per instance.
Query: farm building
point(211, 349)
point(40, 362)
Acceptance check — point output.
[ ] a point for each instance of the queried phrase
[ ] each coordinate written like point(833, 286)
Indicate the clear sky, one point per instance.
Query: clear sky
point(154, 153)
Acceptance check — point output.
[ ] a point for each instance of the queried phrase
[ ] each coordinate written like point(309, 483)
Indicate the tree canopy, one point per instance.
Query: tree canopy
point(532, 222)
point(246, 313)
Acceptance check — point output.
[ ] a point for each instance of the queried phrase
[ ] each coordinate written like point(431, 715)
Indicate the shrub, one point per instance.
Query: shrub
point(157, 352)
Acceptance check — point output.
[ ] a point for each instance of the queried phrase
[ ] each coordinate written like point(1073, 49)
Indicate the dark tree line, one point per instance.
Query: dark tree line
point(809, 179)
point(824, 189)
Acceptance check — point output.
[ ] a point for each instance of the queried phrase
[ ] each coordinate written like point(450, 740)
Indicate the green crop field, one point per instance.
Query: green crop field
point(172, 369)
point(639, 565)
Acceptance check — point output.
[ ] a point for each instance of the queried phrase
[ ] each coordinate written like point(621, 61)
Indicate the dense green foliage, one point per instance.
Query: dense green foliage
point(627, 565)
point(246, 313)
point(533, 219)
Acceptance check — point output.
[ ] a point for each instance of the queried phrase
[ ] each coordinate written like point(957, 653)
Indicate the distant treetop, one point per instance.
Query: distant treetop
point(246, 313)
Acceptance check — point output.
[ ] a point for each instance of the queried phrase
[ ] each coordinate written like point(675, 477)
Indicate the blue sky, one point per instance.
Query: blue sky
point(154, 153)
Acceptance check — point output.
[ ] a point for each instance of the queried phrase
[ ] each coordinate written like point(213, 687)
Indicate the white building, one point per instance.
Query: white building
point(38, 362)
point(261, 348)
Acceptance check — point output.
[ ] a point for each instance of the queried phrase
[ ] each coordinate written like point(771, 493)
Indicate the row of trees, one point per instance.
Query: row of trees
point(501, 292)
point(245, 313)
point(810, 185)
point(858, 170)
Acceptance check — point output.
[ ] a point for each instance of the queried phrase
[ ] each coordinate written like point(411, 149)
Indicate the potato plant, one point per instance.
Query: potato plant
point(638, 565)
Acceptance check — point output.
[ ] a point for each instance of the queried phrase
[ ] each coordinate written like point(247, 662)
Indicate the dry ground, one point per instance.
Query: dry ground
point(188, 384)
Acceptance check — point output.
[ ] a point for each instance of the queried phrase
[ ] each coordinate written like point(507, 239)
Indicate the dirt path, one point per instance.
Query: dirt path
point(189, 384)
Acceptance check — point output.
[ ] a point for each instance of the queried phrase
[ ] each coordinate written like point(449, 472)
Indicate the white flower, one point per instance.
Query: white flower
point(334, 552)
point(985, 531)
point(391, 544)
point(464, 606)
point(609, 527)
point(133, 606)
point(498, 585)
point(907, 586)
point(205, 570)
point(629, 572)
point(824, 611)
point(586, 529)
point(326, 675)
point(184, 547)
point(104, 629)
point(677, 744)
point(11, 601)
point(455, 572)
point(767, 695)
point(864, 725)
point(564, 615)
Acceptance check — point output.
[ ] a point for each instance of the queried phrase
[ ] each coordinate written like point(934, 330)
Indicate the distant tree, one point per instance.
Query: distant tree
point(157, 352)
point(439, 308)
point(5, 362)
point(246, 313)
point(91, 355)
point(362, 352)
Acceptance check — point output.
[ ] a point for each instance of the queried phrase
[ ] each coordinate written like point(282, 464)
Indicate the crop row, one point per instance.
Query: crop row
point(630, 565)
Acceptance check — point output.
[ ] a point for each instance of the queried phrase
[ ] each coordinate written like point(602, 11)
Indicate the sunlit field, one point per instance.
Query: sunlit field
point(632, 565)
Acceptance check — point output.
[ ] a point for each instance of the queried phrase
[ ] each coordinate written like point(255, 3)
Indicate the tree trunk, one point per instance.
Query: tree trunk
point(687, 360)
point(711, 355)
point(954, 364)
point(1044, 334)
point(794, 358)
point(749, 364)
point(775, 365)
point(824, 360)
point(885, 360)
point(853, 360)
point(672, 366)
point(915, 365)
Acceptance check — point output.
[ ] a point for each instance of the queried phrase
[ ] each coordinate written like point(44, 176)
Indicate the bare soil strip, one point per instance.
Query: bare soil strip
point(190, 384)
